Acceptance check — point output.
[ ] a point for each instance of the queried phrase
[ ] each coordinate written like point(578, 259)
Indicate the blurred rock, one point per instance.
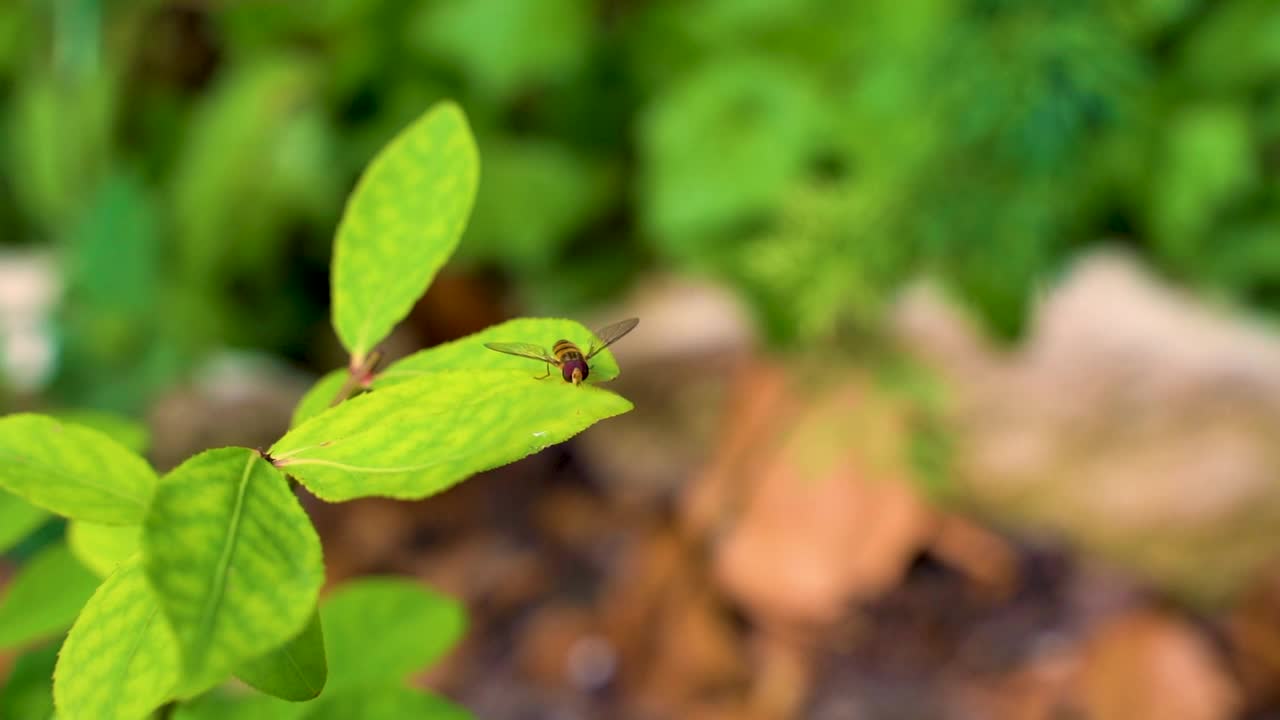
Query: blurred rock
point(30, 287)
point(1135, 420)
point(233, 399)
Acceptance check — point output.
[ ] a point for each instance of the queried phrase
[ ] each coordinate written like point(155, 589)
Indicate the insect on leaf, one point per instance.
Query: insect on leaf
point(470, 353)
point(423, 435)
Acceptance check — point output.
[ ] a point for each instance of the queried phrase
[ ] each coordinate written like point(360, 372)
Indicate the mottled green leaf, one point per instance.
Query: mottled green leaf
point(469, 353)
point(28, 691)
point(401, 224)
point(120, 660)
point(380, 630)
point(103, 547)
point(294, 671)
point(391, 703)
point(426, 434)
point(18, 519)
point(44, 597)
point(73, 471)
point(129, 433)
point(233, 559)
point(317, 399)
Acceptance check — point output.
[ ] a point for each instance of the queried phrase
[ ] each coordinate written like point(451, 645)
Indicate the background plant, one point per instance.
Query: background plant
point(214, 569)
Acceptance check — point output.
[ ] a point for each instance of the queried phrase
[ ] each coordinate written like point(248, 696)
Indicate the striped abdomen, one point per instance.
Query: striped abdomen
point(571, 359)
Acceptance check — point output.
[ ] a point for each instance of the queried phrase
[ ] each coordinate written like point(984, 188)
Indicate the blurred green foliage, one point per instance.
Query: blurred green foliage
point(189, 160)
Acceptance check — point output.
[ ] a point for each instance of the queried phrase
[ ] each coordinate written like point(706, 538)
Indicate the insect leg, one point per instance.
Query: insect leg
point(547, 375)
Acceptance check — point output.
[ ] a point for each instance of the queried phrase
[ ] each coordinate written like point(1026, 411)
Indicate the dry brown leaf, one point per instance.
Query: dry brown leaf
point(1150, 665)
point(983, 556)
point(831, 517)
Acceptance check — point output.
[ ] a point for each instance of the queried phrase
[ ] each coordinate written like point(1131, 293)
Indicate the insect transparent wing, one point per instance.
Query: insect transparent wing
point(533, 352)
point(609, 334)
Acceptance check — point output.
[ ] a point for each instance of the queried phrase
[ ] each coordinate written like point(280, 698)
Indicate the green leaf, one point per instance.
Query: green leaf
point(103, 547)
point(294, 671)
point(501, 45)
point(73, 471)
point(18, 519)
point(317, 399)
point(469, 353)
point(380, 630)
point(401, 224)
point(127, 432)
point(44, 597)
point(233, 559)
point(120, 660)
point(424, 435)
point(219, 706)
point(28, 692)
point(393, 703)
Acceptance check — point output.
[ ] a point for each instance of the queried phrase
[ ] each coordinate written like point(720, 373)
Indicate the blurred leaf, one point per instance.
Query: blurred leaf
point(1234, 47)
point(721, 147)
point(73, 471)
point(28, 691)
point(535, 196)
point(401, 224)
point(60, 139)
point(294, 671)
point(469, 353)
point(1208, 162)
point(233, 558)
point(120, 660)
point(429, 433)
point(18, 519)
point(44, 598)
point(380, 630)
point(395, 703)
point(226, 197)
point(250, 707)
point(317, 399)
point(502, 45)
point(129, 433)
point(103, 547)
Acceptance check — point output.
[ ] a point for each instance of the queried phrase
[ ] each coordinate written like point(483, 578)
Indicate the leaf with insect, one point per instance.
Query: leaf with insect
point(470, 353)
point(428, 433)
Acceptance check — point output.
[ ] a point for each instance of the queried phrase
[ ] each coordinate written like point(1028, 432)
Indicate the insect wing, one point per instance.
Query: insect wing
point(610, 334)
point(533, 352)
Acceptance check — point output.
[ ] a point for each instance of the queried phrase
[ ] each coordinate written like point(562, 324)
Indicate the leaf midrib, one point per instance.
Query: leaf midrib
point(208, 616)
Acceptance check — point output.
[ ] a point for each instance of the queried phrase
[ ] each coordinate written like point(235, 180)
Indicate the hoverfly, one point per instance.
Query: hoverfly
point(567, 356)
